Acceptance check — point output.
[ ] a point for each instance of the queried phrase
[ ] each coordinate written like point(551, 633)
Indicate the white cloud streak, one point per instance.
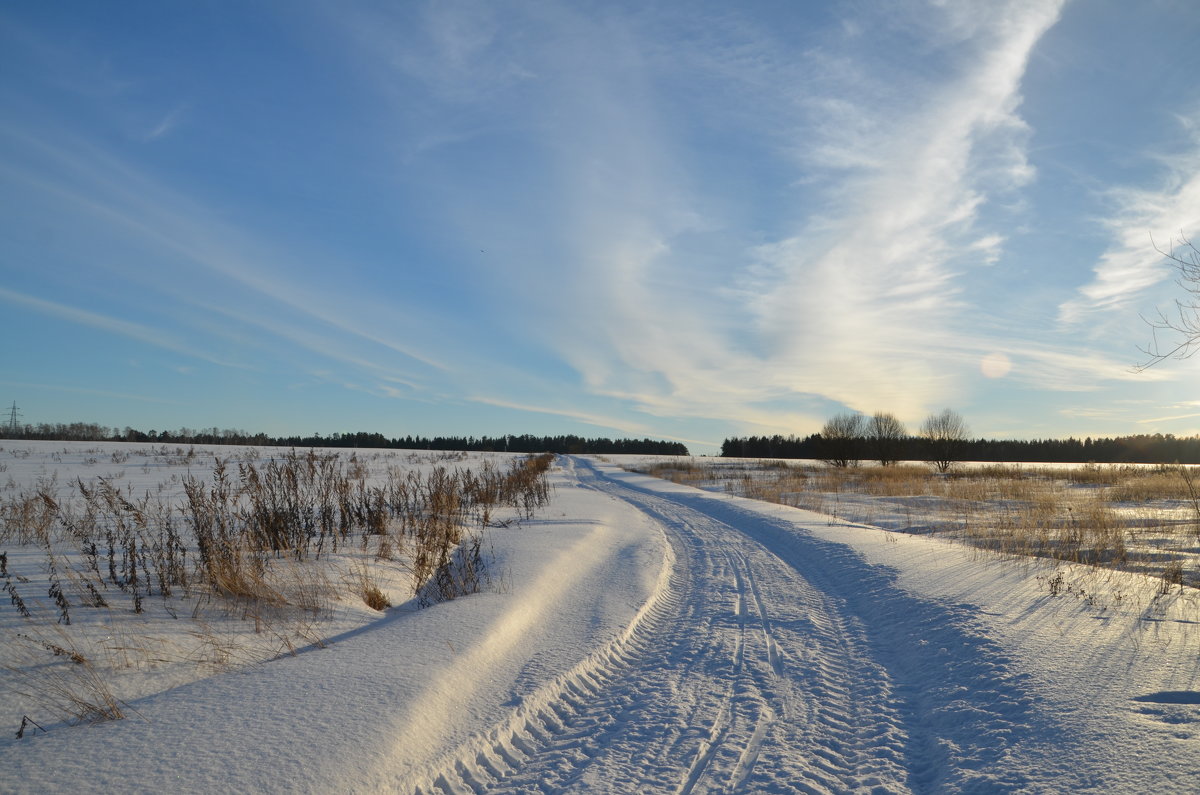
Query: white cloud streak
point(1146, 219)
point(601, 421)
point(77, 390)
point(166, 124)
point(92, 184)
point(144, 334)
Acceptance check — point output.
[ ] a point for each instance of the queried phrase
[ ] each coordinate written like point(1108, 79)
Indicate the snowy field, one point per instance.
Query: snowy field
point(1134, 517)
point(633, 635)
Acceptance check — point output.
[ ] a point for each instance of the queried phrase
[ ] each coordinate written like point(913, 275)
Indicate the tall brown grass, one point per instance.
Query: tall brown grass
point(249, 538)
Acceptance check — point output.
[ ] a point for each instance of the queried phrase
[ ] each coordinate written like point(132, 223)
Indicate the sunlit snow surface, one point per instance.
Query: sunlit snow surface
point(646, 637)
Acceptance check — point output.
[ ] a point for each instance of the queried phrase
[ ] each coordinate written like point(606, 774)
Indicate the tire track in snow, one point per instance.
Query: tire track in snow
point(830, 696)
point(692, 715)
point(958, 707)
point(758, 665)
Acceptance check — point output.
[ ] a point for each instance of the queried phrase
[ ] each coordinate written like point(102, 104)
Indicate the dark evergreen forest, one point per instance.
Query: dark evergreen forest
point(524, 443)
point(1143, 449)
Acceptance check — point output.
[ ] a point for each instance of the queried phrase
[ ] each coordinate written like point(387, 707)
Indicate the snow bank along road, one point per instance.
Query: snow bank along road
point(656, 638)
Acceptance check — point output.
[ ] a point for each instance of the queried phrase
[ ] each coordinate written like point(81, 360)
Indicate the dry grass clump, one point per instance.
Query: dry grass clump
point(769, 480)
point(67, 684)
point(27, 518)
point(1084, 532)
point(364, 583)
point(894, 480)
point(775, 490)
point(1002, 482)
point(684, 471)
point(775, 484)
point(1159, 483)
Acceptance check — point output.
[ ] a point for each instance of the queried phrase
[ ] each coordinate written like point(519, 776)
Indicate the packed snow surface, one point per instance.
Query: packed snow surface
point(650, 637)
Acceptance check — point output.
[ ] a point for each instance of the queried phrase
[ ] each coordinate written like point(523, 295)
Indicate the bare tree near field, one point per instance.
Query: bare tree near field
point(944, 434)
point(886, 434)
point(1182, 326)
point(841, 437)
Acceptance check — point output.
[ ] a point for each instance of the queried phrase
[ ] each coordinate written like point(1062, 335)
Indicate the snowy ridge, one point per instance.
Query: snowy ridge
point(493, 755)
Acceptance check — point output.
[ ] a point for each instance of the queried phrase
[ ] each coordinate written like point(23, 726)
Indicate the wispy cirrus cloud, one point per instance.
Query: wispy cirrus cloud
point(148, 335)
point(183, 249)
point(79, 390)
point(166, 124)
point(1148, 221)
point(1062, 369)
point(599, 421)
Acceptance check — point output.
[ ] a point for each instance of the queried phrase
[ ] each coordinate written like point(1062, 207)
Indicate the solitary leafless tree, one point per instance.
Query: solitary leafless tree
point(944, 434)
point(1182, 327)
point(841, 438)
point(886, 435)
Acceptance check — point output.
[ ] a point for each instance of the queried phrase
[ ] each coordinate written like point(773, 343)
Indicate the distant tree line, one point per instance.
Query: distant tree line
point(1143, 449)
point(525, 443)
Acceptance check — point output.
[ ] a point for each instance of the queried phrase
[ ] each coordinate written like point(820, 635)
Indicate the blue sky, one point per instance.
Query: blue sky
point(684, 220)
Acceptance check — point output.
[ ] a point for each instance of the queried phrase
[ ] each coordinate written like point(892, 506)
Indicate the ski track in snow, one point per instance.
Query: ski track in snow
point(767, 660)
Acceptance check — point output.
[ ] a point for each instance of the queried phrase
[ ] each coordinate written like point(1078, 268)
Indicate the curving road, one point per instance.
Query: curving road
point(768, 661)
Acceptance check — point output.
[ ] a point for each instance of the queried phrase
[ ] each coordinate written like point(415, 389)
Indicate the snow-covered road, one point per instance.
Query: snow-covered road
point(772, 662)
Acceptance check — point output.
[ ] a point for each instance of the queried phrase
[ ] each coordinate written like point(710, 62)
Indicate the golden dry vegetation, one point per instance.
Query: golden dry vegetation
point(1129, 517)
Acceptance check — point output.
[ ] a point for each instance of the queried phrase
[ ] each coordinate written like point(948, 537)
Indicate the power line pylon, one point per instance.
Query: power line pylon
point(13, 416)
